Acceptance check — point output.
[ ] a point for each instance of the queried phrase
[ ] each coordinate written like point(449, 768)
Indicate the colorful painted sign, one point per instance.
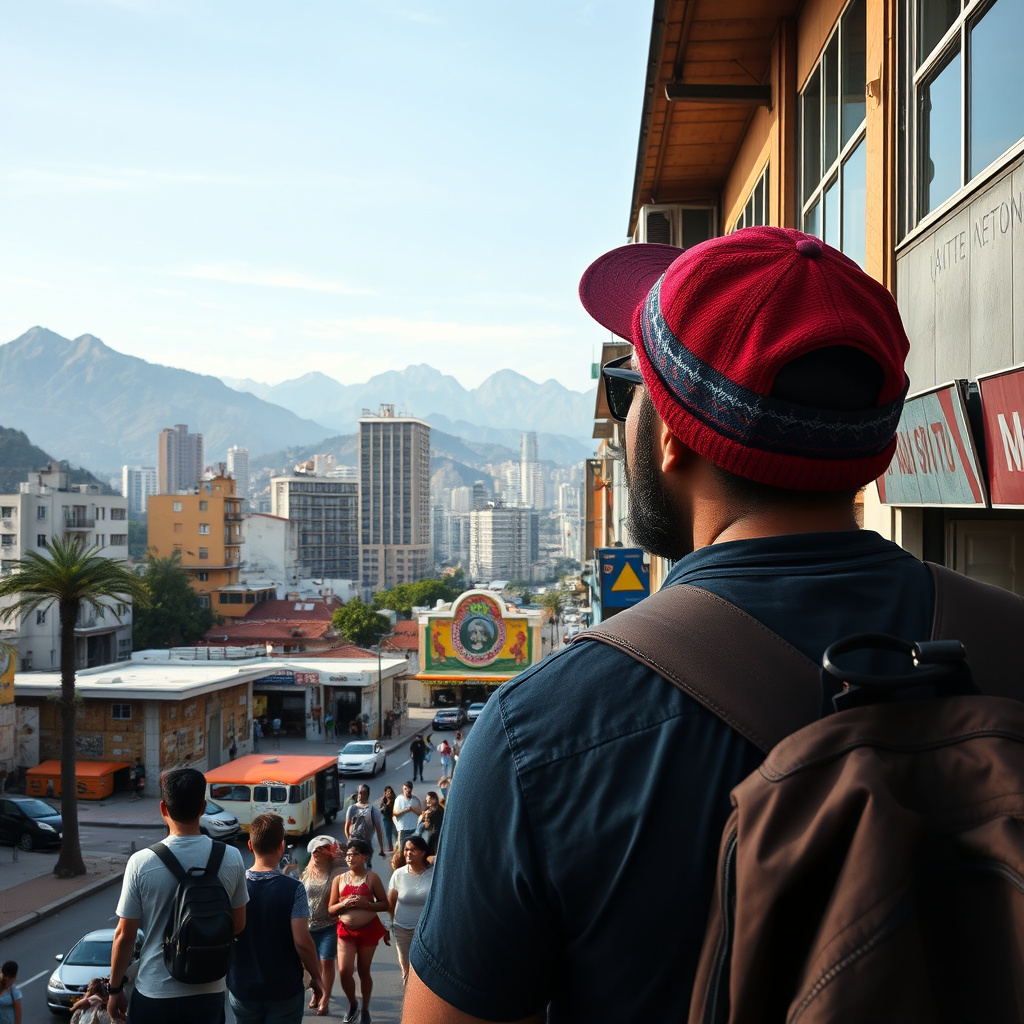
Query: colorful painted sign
point(1002, 408)
point(7, 660)
point(935, 461)
point(625, 577)
point(481, 634)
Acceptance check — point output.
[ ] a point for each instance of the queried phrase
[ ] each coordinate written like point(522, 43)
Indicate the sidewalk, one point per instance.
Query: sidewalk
point(29, 891)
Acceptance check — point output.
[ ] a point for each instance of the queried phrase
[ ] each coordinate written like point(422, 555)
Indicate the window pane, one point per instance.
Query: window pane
point(831, 233)
point(830, 69)
point(810, 134)
point(939, 128)
point(855, 204)
point(812, 222)
point(934, 17)
point(996, 122)
point(748, 214)
point(757, 199)
point(854, 77)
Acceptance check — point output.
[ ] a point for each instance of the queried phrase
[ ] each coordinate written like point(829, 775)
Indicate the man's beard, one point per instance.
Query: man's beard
point(654, 521)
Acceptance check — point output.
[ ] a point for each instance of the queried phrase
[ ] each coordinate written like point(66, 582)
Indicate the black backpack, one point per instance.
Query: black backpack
point(362, 824)
point(199, 936)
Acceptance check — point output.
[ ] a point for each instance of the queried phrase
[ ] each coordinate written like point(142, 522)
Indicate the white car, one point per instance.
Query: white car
point(89, 958)
point(217, 823)
point(362, 757)
point(473, 711)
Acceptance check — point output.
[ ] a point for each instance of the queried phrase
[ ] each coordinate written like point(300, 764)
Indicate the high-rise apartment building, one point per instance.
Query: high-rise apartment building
point(137, 484)
point(394, 496)
point(503, 543)
point(531, 479)
point(238, 467)
point(327, 511)
point(46, 506)
point(180, 462)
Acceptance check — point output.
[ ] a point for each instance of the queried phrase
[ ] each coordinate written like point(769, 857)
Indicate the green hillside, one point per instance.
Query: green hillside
point(19, 457)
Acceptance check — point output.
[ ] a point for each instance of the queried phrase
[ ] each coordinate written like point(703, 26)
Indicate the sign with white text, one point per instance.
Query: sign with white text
point(1002, 406)
point(935, 461)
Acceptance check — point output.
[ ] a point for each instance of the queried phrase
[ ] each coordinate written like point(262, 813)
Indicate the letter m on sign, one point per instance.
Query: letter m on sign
point(1013, 443)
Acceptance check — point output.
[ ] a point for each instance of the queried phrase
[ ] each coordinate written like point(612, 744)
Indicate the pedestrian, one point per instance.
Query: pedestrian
point(763, 391)
point(325, 862)
point(387, 810)
point(363, 820)
point(407, 812)
point(10, 994)
point(265, 982)
point(456, 748)
point(148, 897)
point(444, 751)
point(136, 779)
point(257, 735)
point(444, 784)
point(233, 749)
point(418, 753)
point(389, 723)
point(91, 1008)
point(329, 726)
point(357, 896)
point(407, 893)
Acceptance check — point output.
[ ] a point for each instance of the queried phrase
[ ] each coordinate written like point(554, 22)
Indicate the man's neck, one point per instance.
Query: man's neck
point(266, 863)
point(183, 828)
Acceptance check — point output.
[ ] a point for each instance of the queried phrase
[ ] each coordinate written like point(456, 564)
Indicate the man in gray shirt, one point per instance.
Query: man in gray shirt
point(147, 898)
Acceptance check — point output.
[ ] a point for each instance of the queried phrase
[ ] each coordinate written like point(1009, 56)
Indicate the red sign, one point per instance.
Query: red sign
point(1002, 406)
point(935, 462)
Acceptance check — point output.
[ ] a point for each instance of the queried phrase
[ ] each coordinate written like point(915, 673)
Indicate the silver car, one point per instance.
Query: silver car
point(217, 823)
point(89, 958)
point(362, 757)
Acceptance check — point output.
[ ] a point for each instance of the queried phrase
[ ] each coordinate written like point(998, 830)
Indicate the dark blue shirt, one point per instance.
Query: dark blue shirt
point(582, 829)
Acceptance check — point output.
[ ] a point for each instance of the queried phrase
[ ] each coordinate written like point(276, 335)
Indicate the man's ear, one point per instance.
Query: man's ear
point(674, 454)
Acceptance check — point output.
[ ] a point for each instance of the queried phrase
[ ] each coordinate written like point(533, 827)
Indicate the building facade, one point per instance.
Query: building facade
point(238, 467)
point(394, 500)
point(882, 127)
point(531, 478)
point(503, 543)
point(137, 484)
point(327, 513)
point(180, 461)
point(46, 506)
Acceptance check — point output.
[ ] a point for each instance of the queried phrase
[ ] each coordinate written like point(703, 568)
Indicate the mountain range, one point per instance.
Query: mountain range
point(99, 408)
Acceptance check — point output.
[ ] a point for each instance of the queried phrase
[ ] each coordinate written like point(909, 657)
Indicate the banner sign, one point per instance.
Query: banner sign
point(481, 635)
point(935, 461)
point(1002, 406)
point(625, 578)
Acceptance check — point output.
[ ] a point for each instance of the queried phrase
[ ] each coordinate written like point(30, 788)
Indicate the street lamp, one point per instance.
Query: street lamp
point(380, 685)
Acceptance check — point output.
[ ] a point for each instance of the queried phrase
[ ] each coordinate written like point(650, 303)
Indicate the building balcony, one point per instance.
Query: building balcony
point(233, 517)
point(73, 521)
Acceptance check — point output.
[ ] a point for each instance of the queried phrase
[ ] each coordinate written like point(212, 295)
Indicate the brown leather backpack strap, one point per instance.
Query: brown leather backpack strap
point(986, 620)
point(724, 658)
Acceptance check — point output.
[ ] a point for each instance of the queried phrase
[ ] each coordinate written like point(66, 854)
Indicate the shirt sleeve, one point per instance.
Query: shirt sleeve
point(300, 905)
point(238, 891)
point(129, 906)
point(477, 967)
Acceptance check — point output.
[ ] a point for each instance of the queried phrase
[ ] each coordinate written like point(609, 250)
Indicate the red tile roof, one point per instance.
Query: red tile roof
point(320, 611)
point(260, 631)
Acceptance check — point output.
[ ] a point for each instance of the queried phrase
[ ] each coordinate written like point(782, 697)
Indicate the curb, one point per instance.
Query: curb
point(65, 901)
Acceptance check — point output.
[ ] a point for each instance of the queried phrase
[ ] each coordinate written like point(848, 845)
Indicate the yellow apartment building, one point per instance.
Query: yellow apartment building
point(205, 529)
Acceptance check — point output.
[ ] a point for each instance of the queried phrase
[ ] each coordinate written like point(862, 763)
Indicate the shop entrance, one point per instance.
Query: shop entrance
point(288, 706)
point(347, 707)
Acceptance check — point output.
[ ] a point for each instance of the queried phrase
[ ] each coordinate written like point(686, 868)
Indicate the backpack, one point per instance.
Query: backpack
point(362, 824)
point(197, 943)
point(873, 866)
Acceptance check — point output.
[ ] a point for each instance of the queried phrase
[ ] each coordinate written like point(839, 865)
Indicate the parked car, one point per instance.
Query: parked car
point(362, 757)
point(474, 711)
point(89, 958)
point(29, 822)
point(217, 823)
point(450, 718)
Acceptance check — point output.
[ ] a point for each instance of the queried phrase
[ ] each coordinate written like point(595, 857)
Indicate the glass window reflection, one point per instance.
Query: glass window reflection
point(934, 18)
point(831, 225)
point(855, 204)
point(939, 136)
point(996, 122)
point(811, 133)
point(854, 77)
point(830, 85)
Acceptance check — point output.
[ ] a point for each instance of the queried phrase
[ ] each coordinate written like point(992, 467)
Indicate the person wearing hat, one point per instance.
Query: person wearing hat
point(325, 862)
point(763, 390)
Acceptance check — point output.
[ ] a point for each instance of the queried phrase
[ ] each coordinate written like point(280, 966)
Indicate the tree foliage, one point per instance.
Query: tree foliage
point(72, 577)
point(175, 616)
point(422, 594)
point(360, 624)
point(554, 602)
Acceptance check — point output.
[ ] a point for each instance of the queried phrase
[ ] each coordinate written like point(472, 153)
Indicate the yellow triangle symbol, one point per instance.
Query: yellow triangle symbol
point(628, 579)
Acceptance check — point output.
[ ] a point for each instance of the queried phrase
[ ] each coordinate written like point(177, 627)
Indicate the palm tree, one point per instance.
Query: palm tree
point(73, 577)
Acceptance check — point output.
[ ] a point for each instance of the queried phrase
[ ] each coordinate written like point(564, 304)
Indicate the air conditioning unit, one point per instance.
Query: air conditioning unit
point(680, 224)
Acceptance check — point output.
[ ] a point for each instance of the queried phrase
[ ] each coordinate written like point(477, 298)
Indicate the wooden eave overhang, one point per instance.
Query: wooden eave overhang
point(686, 150)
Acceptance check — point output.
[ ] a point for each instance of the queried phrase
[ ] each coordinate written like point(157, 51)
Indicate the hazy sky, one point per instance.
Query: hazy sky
point(262, 189)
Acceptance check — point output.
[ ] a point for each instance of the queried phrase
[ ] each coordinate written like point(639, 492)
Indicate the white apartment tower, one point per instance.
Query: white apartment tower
point(137, 484)
point(47, 505)
point(503, 543)
point(238, 467)
point(394, 499)
point(180, 460)
point(531, 481)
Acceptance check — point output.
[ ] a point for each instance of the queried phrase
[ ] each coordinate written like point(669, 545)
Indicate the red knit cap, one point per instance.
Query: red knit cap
point(714, 325)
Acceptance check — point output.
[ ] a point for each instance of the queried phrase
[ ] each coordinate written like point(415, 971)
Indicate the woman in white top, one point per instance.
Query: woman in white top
point(407, 894)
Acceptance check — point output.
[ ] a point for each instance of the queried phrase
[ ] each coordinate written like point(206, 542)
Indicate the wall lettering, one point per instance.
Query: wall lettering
point(984, 231)
point(1013, 443)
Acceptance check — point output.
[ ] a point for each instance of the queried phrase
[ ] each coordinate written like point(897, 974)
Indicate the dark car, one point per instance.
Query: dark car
point(29, 822)
point(450, 718)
